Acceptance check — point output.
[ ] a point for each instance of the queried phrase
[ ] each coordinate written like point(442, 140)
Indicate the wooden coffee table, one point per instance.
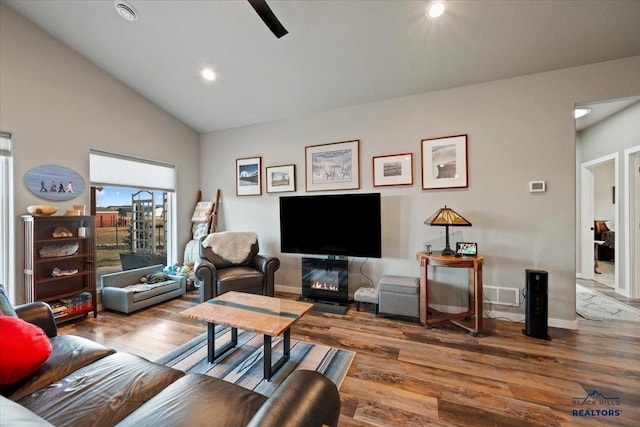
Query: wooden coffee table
point(269, 316)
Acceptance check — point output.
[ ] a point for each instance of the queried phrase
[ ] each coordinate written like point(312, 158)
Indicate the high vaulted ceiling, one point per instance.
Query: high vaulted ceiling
point(337, 53)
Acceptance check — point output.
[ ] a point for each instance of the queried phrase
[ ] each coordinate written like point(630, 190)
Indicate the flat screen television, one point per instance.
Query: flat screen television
point(335, 225)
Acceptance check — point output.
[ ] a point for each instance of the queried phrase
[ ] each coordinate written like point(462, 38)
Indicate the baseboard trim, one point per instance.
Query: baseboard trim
point(564, 324)
point(450, 309)
point(514, 317)
point(520, 318)
point(288, 289)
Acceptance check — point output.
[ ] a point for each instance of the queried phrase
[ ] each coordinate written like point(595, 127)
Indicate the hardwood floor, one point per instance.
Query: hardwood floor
point(406, 375)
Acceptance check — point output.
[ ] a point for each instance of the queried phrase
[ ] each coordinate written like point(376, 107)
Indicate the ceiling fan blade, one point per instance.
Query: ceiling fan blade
point(269, 18)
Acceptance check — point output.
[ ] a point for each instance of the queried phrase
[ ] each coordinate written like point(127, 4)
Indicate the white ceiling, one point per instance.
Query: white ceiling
point(337, 53)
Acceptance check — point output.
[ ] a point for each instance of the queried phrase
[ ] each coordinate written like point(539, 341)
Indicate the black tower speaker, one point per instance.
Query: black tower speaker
point(536, 308)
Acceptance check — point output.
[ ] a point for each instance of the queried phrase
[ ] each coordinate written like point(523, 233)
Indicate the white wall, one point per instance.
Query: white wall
point(58, 106)
point(519, 129)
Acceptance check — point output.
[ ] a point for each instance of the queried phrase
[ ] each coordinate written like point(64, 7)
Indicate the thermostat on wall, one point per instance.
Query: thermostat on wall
point(537, 187)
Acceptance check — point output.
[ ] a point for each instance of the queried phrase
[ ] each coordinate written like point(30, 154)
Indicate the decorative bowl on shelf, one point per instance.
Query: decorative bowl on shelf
point(41, 210)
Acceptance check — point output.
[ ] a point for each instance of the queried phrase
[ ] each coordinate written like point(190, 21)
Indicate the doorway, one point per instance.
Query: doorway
point(599, 216)
point(608, 191)
point(632, 220)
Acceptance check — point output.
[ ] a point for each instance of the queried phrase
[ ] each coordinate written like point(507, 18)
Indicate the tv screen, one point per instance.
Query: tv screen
point(342, 225)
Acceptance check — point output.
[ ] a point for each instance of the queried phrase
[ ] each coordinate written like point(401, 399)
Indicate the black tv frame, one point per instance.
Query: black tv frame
point(332, 225)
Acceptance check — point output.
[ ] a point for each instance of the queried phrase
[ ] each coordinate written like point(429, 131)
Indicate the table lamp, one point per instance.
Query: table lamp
point(446, 216)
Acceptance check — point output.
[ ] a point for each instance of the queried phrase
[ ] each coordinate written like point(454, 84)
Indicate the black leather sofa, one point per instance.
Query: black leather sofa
point(84, 383)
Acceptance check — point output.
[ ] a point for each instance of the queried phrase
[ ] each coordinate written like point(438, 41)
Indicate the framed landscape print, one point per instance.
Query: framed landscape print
point(248, 176)
point(395, 169)
point(281, 178)
point(334, 166)
point(444, 162)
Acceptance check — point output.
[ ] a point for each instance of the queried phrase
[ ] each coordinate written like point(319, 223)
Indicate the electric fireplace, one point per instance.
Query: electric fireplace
point(325, 280)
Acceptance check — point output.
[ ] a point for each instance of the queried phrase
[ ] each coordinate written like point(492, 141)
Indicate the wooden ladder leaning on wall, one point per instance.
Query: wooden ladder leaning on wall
point(212, 223)
point(214, 215)
point(191, 250)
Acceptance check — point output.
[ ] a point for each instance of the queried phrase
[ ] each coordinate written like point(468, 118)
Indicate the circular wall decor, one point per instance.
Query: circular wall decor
point(54, 182)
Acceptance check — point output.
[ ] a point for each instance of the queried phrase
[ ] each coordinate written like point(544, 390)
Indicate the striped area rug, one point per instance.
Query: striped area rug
point(243, 365)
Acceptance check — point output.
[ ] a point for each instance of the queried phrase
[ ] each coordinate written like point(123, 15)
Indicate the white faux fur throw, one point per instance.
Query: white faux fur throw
point(233, 246)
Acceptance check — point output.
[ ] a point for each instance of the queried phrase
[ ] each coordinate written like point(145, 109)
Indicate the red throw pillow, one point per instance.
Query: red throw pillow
point(23, 349)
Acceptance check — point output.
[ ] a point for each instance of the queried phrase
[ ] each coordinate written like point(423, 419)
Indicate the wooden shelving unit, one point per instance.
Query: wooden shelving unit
point(76, 292)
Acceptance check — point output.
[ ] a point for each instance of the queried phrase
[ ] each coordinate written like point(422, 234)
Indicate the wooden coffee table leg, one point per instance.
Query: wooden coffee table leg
point(211, 345)
point(269, 368)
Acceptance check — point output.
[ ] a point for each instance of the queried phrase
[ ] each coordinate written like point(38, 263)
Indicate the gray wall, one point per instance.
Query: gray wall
point(58, 106)
point(614, 134)
point(519, 129)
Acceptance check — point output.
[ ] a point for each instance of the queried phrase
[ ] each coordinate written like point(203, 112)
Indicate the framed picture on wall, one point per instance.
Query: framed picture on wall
point(395, 169)
point(444, 162)
point(334, 166)
point(53, 182)
point(281, 179)
point(249, 176)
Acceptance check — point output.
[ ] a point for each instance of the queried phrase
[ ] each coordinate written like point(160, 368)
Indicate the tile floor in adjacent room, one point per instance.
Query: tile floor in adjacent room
point(604, 283)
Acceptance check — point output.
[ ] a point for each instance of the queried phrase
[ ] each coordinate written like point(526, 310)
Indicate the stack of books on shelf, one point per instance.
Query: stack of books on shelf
point(78, 302)
point(59, 309)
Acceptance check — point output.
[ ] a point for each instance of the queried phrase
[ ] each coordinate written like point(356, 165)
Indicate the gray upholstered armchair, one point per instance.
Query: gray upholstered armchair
point(229, 261)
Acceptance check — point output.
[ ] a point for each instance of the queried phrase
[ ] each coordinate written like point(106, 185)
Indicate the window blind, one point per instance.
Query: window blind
point(109, 169)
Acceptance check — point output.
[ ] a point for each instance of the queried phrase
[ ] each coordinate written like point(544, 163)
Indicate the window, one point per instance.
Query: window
point(130, 227)
point(137, 180)
point(7, 245)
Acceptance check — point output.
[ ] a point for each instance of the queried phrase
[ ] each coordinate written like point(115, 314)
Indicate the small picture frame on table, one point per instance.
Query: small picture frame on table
point(281, 179)
point(394, 169)
point(249, 176)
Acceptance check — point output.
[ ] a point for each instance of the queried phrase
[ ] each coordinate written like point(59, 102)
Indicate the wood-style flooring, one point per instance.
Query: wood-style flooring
point(406, 375)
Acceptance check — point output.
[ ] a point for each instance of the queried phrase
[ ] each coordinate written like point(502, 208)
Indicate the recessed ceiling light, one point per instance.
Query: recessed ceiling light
point(435, 9)
point(208, 74)
point(125, 10)
point(581, 112)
